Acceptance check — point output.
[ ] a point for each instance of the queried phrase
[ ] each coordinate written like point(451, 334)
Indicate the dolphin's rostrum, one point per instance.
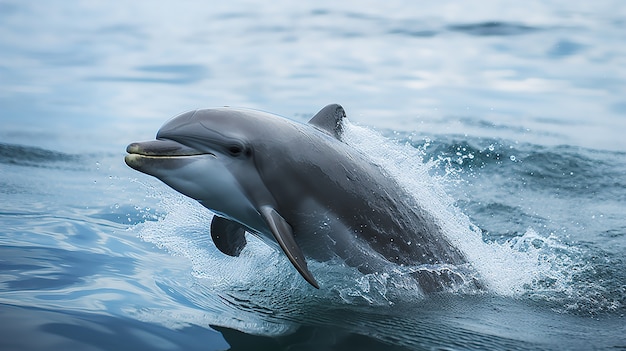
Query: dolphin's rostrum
point(299, 187)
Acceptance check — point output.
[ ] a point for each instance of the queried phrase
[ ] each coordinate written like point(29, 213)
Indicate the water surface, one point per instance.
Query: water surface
point(504, 119)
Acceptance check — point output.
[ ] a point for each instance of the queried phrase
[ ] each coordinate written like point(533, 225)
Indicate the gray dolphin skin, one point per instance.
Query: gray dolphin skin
point(299, 188)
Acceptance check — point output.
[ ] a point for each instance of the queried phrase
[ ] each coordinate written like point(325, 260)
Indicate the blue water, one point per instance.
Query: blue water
point(504, 119)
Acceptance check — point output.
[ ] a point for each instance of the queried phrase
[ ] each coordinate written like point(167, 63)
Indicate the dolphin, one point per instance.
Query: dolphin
point(299, 188)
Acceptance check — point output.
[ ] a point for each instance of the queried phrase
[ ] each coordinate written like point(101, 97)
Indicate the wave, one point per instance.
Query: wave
point(554, 213)
point(493, 28)
point(31, 156)
point(573, 171)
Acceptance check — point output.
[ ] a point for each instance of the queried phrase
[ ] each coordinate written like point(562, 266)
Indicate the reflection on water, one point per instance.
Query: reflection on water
point(41, 329)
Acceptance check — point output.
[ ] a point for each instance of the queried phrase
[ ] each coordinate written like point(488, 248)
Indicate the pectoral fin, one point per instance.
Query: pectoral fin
point(284, 236)
point(228, 236)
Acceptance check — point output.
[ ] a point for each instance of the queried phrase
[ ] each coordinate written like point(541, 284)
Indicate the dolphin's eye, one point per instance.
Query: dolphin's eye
point(235, 150)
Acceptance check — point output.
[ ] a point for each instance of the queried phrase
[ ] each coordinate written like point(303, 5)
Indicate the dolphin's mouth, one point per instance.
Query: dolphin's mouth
point(163, 148)
point(158, 149)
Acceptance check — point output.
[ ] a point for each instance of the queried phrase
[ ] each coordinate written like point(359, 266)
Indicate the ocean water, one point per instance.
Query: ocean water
point(504, 119)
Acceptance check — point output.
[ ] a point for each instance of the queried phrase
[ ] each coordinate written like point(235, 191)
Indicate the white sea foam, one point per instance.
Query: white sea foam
point(508, 269)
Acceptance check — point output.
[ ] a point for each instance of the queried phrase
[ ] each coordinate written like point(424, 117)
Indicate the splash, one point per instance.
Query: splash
point(512, 268)
point(183, 230)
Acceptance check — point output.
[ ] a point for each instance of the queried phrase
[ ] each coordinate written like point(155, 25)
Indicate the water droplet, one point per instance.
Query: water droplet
point(513, 158)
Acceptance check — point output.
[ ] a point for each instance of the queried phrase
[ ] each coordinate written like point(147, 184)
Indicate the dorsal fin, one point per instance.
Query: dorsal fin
point(330, 120)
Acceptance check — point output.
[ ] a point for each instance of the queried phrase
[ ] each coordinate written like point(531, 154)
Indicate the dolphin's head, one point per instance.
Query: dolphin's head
point(214, 131)
point(202, 154)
